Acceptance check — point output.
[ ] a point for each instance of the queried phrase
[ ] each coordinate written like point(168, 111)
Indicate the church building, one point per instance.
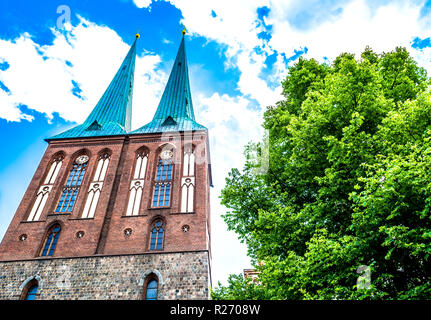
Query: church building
point(116, 213)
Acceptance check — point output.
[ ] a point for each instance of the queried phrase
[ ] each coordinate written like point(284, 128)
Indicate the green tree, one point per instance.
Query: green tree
point(348, 185)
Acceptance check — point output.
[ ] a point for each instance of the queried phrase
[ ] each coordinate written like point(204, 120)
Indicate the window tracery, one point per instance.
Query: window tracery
point(157, 233)
point(51, 241)
point(73, 184)
point(188, 180)
point(45, 189)
point(163, 179)
point(137, 184)
point(95, 187)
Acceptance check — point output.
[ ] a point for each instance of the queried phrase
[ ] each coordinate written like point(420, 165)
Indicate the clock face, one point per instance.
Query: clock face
point(81, 159)
point(166, 154)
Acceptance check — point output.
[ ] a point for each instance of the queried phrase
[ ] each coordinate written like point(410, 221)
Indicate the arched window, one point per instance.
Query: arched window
point(30, 290)
point(54, 169)
point(45, 189)
point(102, 167)
point(188, 180)
point(96, 186)
point(51, 240)
point(163, 180)
point(74, 181)
point(157, 232)
point(189, 161)
point(187, 194)
point(137, 184)
point(151, 288)
point(39, 204)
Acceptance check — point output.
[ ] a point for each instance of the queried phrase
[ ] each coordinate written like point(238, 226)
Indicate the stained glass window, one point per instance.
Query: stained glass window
point(30, 290)
point(157, 236)
point(70, 190)
point(151, 292)
point(51, 241)
point(162, 187)
point(31, 293)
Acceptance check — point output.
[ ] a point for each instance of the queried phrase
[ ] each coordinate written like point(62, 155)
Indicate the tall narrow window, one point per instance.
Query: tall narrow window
point(151, 289)
point(45, 189)
point(137, 184)
point(54, 169)
point(96, 186)
point(163, 180)
point(51, 241)
point(187, 194)
point(189, 161)
point(188, 180)
point(157, 232)
point(30, 290)
point(74, 181)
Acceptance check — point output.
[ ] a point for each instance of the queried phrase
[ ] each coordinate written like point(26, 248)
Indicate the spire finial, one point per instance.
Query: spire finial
point(184, 30)
point(137, 36)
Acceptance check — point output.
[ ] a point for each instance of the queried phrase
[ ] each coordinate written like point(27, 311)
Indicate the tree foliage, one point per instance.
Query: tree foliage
point(348, 184)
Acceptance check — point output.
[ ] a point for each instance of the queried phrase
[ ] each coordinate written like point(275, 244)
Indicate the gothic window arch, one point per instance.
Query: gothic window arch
point(189, 161)
point(45, 189)
point(157, 235)
point(51, 240)
point(95, 187)
point(102, 165)
point(188, 180)
point(151, 287)
point(54, 168)
point(164, 178)
point(73, 184)
point(137, 183)
point(30, 290)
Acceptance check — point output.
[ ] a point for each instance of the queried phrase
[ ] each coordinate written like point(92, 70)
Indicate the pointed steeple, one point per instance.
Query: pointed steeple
point(175, 110)
point(112, 114)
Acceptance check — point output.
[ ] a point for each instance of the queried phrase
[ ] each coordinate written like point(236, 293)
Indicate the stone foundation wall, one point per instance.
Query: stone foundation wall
point(182, 275)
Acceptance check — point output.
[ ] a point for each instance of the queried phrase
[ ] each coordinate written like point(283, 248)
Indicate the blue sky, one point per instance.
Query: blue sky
point(52, 74)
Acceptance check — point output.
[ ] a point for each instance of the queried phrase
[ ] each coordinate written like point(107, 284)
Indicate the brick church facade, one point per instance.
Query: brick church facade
point(113, 213)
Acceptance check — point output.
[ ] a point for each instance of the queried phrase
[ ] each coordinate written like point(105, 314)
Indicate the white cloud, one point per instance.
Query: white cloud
point(236, 26)
point(41, 76)
point(9, 110)
point(334, 27)
point(355, 27)
point(231, 125)
point(142, 3)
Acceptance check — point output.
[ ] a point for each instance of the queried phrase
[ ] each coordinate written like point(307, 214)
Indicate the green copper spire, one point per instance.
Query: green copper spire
point(112, 114)
point(175, 110)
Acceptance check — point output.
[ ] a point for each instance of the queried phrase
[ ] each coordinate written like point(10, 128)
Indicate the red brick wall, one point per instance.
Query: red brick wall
point(104, 234)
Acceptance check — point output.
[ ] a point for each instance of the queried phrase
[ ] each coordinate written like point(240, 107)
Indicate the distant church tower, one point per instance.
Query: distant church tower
point(117, 214)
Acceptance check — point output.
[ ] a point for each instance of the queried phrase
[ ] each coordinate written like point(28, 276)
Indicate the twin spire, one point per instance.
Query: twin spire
point(112, 115)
